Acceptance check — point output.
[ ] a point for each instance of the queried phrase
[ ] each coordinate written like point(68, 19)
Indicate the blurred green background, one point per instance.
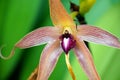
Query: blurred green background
point(18, 17)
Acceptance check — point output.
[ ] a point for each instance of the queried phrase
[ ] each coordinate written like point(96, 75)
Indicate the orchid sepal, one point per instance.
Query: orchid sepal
point(97, 35)
point(38, 37)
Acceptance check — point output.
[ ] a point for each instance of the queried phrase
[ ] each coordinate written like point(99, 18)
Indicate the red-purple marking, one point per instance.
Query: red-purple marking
point(67, 42)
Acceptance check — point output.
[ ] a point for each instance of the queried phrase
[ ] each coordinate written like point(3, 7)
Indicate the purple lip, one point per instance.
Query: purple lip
point(67, 42)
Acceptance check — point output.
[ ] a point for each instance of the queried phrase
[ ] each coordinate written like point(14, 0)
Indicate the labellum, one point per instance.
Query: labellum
point(67, 41)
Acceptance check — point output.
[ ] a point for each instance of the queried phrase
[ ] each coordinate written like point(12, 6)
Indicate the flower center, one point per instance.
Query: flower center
point(67, 41)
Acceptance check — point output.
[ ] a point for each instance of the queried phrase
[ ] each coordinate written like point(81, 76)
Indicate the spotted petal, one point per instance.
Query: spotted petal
point(48, 60)
point(38, 37)
point(85, 59)
point(97, 35)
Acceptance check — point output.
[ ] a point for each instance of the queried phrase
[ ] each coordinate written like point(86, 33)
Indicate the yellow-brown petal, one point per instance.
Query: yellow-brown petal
point(59, 15)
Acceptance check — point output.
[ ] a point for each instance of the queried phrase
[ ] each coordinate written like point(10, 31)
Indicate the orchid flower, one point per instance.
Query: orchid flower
point(63, 37)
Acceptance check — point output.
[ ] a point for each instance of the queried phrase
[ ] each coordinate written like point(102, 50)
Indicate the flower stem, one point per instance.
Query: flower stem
point(69, 66)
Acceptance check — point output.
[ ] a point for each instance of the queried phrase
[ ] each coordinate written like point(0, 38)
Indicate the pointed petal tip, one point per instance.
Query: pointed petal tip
point(117, 45)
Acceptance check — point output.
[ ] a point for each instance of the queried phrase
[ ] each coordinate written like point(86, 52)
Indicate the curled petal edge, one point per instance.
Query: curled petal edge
point(9, 56)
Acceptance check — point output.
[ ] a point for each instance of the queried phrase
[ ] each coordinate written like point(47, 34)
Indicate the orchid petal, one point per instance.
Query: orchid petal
point(85, 59)
point(59, 15)
point(48, 60)
point(97, 35)
point(38, 37)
